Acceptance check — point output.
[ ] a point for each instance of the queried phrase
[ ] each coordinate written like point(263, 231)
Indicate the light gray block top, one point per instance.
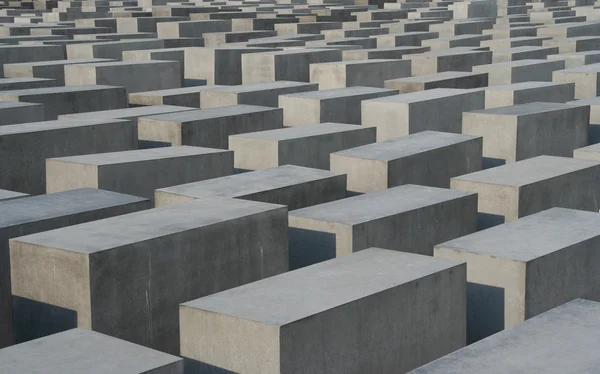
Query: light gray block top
point(82, 351)
point(22, 128)
point(562, 340)
point(379, 204)
point(412, 97)
point(305, 292)
point(295, 132)
point(244, 184)
point(393, 149)
point(446, 75)
point(336, 93)
point(525, 86)
point(109, 233)
point(531, 237)
point(175, 91)
point(8, 81)
point(591, 68)
point(529, 171)
point(128, 113)
point(43, 207)
point(6, 195)
point(139, 155)
point(211, 113)
point(55, 90)
point(513, 64)
point(526, 109)
point(61, 62)
point(586, 101)
point(265, 86)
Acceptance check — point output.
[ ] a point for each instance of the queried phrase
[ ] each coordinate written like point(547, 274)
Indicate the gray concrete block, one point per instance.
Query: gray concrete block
point(135, 76)
point(528, 92)
point(407, 218)
point(413, 112)
point(427, 158)
point(575, 44)
point(414, 38)
point(111, 50)
point(23, 165)
point(45, 69)
point(262, 94)
point(73, 99)
point(585, 78)
point(573, 325)
point(308, 146)
point(185, 96)
point(337, 105)
point(10, 54)
point(138, 172)
point(209, 127)
point(132, 114)
point(14, 112)
point(518, 132)
point(294, 186)
point(516, 190)
point(75, 350)
point(6, 195)
point(35, 214)
point(314, 307)
point(523, 53)
point(570, 30)
point(25, 83)
point(527, 267)
point(147, 263)
point(369, 73)
point(577, 59)
point(519, 71)
point(191, 29)
point(381, 53)
point(499, 44)
point(447, 42)
point(447, 79)
point(292, 65)
point(451, 59)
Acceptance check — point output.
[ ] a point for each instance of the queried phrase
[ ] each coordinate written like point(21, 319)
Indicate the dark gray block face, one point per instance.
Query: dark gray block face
point(511, 191)
point(428, 158)
point(138, 172)
point(528, 92)
point(520, 71)
point(518, 132)
point(25, 83)
point(47, 212)
point(337, 316)
point(526, 267)
point(131, 114)
point(6, 195)
point(262, 94)
point(448, 79)
point(125, 276)
point(23, 165)
point(73, 99)
point(408, 218)
point(308, 146)
point(210, 127)
point(294, 186)
point(561, 340)
point(186, 96)
point(27, 53)
point(15, 112)
point(82, 350)
point(45, 69)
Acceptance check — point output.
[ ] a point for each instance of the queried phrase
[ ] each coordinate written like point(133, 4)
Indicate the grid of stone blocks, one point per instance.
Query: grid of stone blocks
point(299, 186)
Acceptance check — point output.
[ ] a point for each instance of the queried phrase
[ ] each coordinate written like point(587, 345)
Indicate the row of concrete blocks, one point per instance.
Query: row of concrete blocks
point(134, 270)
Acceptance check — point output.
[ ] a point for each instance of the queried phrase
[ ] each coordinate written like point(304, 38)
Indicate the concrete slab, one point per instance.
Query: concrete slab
point(519, 71)
point(447, 79)
point(528, 92)
point(14, 112)
point(262, 94)
point(6, 195)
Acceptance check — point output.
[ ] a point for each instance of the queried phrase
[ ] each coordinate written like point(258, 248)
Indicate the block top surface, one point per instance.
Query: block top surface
point(129, 113)
point(406, 145)
point(55, 90)
point(525, 86)
point(531, 237)
point(8, 195)
point(591, 68)
point(23, 128)
point(518, 63)
point(138, 155)
point(240, 185)
point(16, 104)
point(81, 351)
point(260, 86)
point(379, 204)
point(60, 204)
point(61, 62)
point(296, 132)
point(412, 97)
point(525, 109)
point(340, 92)
point(175, 91)
point(372, 61)
point(109, 233)
point(436, 77)
point(562, 340)
point(302, 293)
point(529, 171)
point(210, 113)
point(93, 65)
point(4, 81)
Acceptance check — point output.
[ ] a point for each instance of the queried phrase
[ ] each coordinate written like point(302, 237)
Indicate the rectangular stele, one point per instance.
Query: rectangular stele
point(125, 276)
point(294, 186)
point(339, 316)
point(526, 267)
point(84, 351)
point(407, 218)
point(518, 132)
point(510, 191)
point(562, 340)
point(29, 215)
point(138, 172)
point(428, 158)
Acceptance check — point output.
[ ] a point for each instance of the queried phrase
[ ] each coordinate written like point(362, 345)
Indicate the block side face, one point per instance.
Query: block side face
point(562, 276)
point(364, 175)
point(229, 342)
point(160, 131)
point(254, 154)
point(499, 134)
point(313, 241)
point(61, 278)
point(496, 291)
point(434, 325)
point(64, 176)
point(496, 200)
point(391, 120)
